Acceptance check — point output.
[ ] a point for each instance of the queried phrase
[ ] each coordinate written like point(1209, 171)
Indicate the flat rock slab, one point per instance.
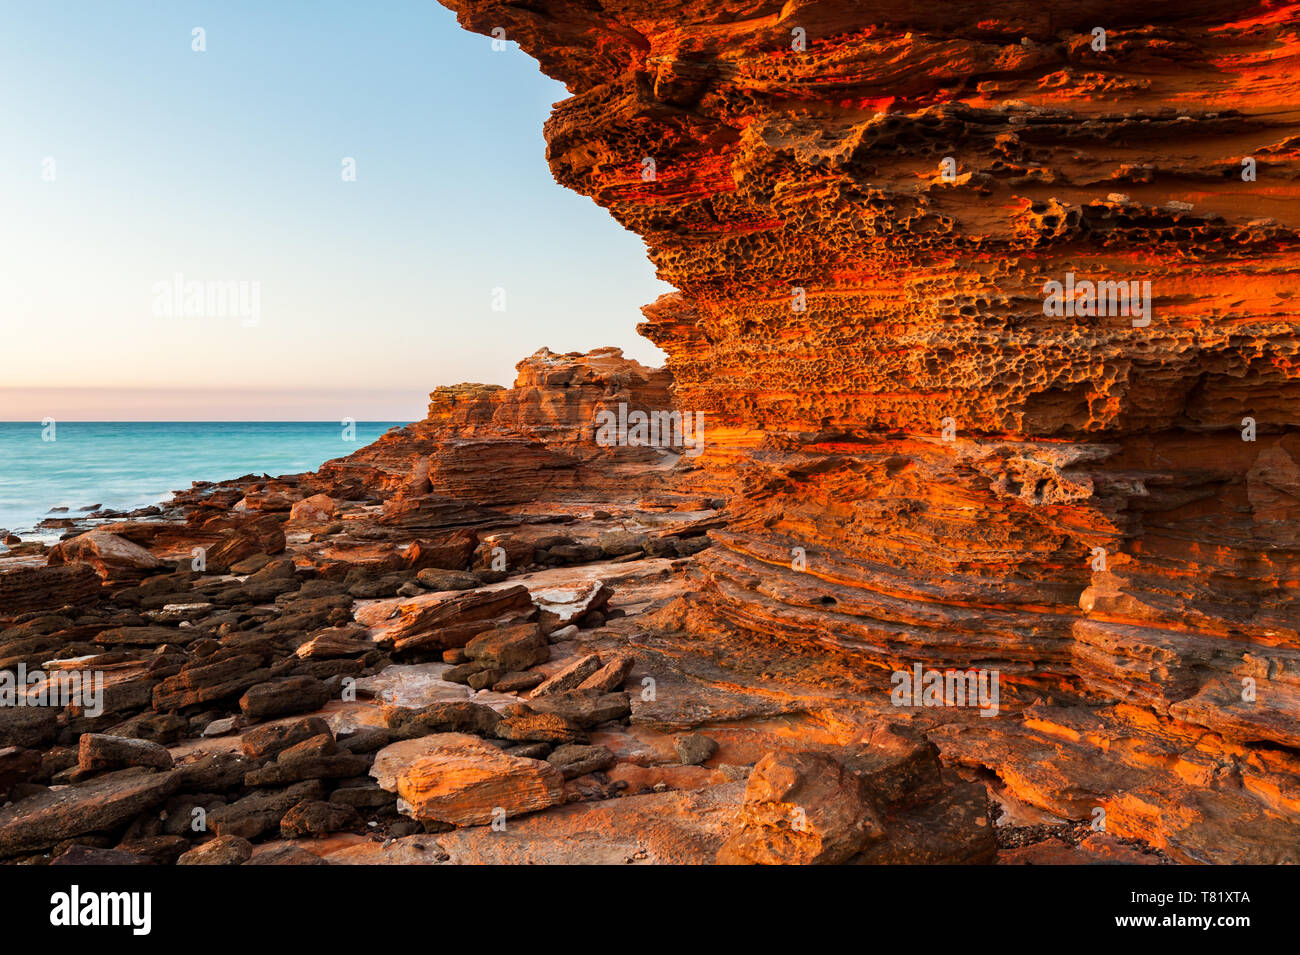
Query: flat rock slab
point(573, 581)
point(420, 684)
point(670, 828)
point(561, 606)
point(102, 803)
point(683, 702)
point(457, 778)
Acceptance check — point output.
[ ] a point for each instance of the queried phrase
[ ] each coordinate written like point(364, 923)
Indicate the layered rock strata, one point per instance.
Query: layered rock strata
point(536, 441)
point(914, 466)
point(364, 664)
point(874, 214)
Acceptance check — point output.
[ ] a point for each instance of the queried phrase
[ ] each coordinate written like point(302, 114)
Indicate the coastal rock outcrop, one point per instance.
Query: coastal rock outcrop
point(501, 446)
point(965, 562)
point(991, 316)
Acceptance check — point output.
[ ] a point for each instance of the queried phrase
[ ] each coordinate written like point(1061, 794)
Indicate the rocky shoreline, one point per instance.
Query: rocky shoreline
point(364, 665)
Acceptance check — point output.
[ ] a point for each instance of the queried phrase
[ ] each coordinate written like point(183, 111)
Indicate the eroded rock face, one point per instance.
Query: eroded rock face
point(28, 589)
point(536, 441)
point(910, 468)
point(802, 809)
point(927, 455)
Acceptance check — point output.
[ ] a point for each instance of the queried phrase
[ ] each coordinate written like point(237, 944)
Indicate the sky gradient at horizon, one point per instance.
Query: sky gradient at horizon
point(225, 166)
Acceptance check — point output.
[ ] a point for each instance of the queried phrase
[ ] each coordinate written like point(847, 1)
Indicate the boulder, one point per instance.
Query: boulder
point(317, 758)
point(574, 760)
point(518, 681)
point(559, 607)
point(456, 716)
point(315, 817)
point(28, 725)
point(801, 809)
point(272, 739)
point(27, 589)
point(450, 551)
point(284, 854)
point(226, 673)
point(113, 558)
point(17, 765)
point(261, 812)
point(98, 752)
point(452, 620)
point(317, 509)
point(436, 579)
point(585, 708)
point(522, 724)
point(214, 772)
point(611, 676)
point(334, 642)
point(694, 749)
point(569, 678)
point(263, 535)
point(294, 694)
point(458, 779)
point(510, 648)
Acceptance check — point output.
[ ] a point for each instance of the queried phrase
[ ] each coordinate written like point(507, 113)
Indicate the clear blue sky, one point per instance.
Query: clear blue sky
point(226, 165)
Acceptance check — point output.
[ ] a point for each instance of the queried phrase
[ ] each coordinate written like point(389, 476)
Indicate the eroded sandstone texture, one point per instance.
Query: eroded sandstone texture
point(639, 654)
point(884, 391)
point(497, 446)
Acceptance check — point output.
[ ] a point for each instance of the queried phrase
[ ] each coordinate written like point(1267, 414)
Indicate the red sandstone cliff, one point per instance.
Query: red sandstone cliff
point(865, 327)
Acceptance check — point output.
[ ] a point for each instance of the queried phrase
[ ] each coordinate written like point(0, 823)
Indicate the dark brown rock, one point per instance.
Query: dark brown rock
point(569, 678)
point(585, 708)
point(264, 535)
point(314, 817)
point(261, 742)
point(524, 725)
point(285, 855)
point(611, 676)
point(99, 804)
point(98, 752)
point(26, 589)
point(296, 694)
point(260, 812)
point(28, 725)
point(574, 760)
point(317, 758)
point(512, 648)
point(459, 716)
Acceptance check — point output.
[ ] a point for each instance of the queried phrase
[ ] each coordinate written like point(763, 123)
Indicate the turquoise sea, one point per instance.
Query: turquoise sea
point(126, 465)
